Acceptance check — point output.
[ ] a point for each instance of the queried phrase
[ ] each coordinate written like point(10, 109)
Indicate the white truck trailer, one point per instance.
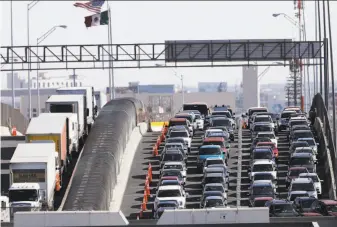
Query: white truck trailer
point(70, 104)
point(72, 129)
point(89, 98)
point(33, 177)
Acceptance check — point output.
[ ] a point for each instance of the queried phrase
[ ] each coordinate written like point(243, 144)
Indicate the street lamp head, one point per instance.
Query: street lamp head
point(63, 26)
point(276, 14)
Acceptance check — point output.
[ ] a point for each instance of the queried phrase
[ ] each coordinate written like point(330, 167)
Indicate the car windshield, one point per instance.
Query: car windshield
point(263, 128)
point(262, 155)
point(296, 172)
point(219, 143)
point(263, 177)
point(303, 187)
point(210, 180)
point(311, 142)
point(169, 193)
point(167, 205)
point(175, 140)
point(170, 182)
point(313, 178)
point(178, 134)
point(188, 117)
point(331, 208)
point(283, 208)
point(214, 162)
point(214, 203)
point(216, 134)
point(266, 135)
point(174, 123)
point(298, 122)
point(262, 168)
point(262, 119)
point(263, 190)
point(301, 161)
point(23, 195)
point(306, 203)
point(294, 196)
point(174, 146)
point(210, 151)
point(173, 157)
point(251, 112)
point(224, 113)
point(172, 173)
point(214, 188)
point(259, 203)
point(221, 122)
point(301, 144)
point(170, 166)
point(262, 139)
point(287, 115)
point(298, 134)
point(197, 116)
point(304, 150)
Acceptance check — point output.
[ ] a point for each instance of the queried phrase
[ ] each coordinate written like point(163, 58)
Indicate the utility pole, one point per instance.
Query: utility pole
point(74, 77)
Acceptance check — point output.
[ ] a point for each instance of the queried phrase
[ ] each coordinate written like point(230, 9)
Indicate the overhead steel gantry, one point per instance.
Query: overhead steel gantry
point(204, 53)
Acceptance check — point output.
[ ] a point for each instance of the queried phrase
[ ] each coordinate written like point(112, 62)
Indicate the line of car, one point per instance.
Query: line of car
point(212, 156)
point(303, 183)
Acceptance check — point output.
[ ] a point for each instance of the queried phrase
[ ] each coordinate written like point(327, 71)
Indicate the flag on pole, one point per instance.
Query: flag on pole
point(97, 19)
point(93, 6)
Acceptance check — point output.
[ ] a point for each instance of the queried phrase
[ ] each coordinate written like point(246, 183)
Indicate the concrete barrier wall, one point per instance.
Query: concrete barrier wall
point(123, 176)
point(329, 185)
point(68, 218)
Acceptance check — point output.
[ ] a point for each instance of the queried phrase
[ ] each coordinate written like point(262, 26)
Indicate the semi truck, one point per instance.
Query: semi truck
point(72, 129)
point(55, 130)
point(101, 100)
point(71, 104)
point(89, 98)
point(34, 177)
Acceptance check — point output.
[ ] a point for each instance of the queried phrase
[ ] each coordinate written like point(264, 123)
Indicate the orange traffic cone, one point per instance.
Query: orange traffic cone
point(14, 131)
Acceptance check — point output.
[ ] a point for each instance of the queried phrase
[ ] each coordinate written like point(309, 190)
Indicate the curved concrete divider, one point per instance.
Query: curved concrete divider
point(69, 218)
point(127, 159)
point(330, 185)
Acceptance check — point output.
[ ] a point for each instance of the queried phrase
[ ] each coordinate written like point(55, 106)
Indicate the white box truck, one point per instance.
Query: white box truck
point(70, 104)
point(72, 129)
point(33, 177)
point(89, 97)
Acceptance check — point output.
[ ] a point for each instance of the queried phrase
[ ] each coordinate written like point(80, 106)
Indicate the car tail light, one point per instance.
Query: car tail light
point(224, 149)
point(276, 152)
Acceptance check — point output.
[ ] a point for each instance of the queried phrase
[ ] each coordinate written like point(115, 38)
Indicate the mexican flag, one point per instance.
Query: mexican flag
point(97, 19)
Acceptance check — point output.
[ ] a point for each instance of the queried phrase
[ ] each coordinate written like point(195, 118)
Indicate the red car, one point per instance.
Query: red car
point(325, 207)
point(269, 144)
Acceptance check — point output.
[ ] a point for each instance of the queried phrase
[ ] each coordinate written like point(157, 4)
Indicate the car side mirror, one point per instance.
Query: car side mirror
point(226, 190)
point(322, 181)
point(227, 146)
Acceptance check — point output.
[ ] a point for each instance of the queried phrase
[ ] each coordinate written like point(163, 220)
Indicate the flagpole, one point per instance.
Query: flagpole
point(112, 78)
point(110, 53)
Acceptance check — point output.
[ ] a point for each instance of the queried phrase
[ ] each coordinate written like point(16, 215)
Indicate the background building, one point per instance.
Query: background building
point(212, 86)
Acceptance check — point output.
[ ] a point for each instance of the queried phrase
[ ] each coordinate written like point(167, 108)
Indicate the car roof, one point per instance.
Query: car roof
point(213, 197)
point(213, 184)
point(308, 174)
point(261, 149)
point(262, 161)
point(306, 138)
point(214, 130)
point(212, 192)
point(220, 139)
point(214, 158)
point(262, 183)
point(219, 118)
point(172, 151)
point(169, 187)
point(303, 148)
point(168, 201)
point(262, 115)
point(262, 173)
point(297, 168)
point(263, 198)
point(173, 163)
point(178, 119)
point(329, 201)
point(262, 123)
point(279, 201)
point(210, 146)
point(301, 155)
point(214, 174)
point(170, 180)
point(174, 143)
point(298, 192)
point(265, 133)
point(175, 138)
point(301, 180)
point(304, 130)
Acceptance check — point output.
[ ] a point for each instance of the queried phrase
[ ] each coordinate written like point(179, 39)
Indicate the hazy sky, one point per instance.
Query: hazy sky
point(141, 21)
